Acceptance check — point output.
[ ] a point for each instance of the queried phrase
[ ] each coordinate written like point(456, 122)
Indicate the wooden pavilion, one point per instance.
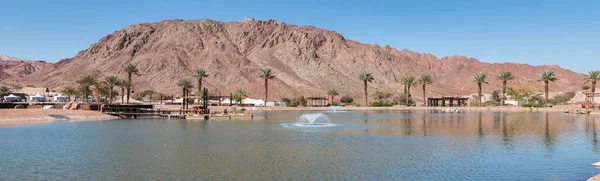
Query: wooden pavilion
point(441, 101)
point(589, 99)
point(316, 101)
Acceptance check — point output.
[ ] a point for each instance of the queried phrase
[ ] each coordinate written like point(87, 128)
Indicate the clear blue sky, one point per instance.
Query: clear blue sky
point(560, 32)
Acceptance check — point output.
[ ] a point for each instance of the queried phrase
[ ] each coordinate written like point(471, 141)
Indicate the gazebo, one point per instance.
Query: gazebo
point(316, 101)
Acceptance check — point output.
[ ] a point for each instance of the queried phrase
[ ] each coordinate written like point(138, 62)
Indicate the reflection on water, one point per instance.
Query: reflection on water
point(362, 145)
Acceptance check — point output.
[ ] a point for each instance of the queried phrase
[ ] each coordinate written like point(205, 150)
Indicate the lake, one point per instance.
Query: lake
point(360, 145)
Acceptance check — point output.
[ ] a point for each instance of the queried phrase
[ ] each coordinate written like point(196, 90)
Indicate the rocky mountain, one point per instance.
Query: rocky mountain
point(12, 68)
point(306, 59)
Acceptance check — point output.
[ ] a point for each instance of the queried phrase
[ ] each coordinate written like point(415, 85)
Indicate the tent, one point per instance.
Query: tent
point(247, 101)
point(37, 98)
point(61, 99)
point(12, 98)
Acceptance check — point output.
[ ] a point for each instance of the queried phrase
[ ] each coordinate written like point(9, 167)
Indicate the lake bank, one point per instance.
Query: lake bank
point(495, 109)
point(17, 117)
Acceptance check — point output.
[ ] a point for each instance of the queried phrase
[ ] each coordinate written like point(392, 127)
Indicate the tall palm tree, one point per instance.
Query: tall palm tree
point(111, 82)
point(123, 84)
point(130, 69)
point(4, 90)
point(85, 83)
point(102, 89)
point(332, 93)
point(408, 81)
point(594, 75)
point(185, 85)
point(266, 73)
point(505, 76)
point(69, 91)
point(480, 79)
point(366, 77)
point(547, 76)
point(200, 74)
point(239, 96)
point(425, 80)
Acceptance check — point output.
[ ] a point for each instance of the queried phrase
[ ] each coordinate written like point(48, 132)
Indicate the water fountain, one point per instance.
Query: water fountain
point(313, 120)
point(334, 108)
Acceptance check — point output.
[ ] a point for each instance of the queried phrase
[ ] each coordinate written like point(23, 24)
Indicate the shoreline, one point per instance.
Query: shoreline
point(354, 108)
point(21, 117)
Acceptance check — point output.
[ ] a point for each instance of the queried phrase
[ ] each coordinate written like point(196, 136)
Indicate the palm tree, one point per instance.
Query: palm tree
point(480, 79)
point(69, 91)
point(123, 84)
point(185, 85)
point(200, 74)
point(505, 76)
point(85, 83)
point(239, 96)
point(130, 69)
point(266, 73)
point(4, 90)
point(102, 89)
point(366, 77)
point(594, 75)
point(408, 81)
point(547, 76)
point(332, 93)
point(424, 81)
point(111, 82)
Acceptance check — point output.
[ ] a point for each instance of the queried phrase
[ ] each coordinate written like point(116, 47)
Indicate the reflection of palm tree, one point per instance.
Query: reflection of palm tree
point(548, 140)
point(480, 125)
point(589, 122)
point(425, 124)
point(408, 124)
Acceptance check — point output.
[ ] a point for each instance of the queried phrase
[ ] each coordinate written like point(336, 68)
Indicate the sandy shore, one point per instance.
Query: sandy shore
point(497, 108)
point(17, 117)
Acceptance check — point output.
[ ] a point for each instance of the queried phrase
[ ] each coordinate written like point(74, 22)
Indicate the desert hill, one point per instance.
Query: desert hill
point(306, 59)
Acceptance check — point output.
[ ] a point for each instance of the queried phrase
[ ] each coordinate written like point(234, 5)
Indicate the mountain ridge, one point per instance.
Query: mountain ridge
point(306, 59)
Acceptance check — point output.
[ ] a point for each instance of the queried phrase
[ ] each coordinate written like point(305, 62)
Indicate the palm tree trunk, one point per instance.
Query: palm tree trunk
point(199, 86)
point(183, 98)
point(546, 90)
point(479, 95)
point(111, 94)
point(266, 90)
point(408, 94)
point(503, 92)
point(128, 87)
point(331, 100)
point(424, 97)
point(122, 94)
point(593, 92)
point(366, 95)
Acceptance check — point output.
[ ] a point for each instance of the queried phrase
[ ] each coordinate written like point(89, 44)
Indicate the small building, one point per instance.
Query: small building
point(37, 98)
point(447, 101)
point(12, 98)
point(61, 99)
point(35, 90)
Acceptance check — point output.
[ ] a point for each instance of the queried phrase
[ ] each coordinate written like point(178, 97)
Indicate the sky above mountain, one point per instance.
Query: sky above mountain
point(534, 32)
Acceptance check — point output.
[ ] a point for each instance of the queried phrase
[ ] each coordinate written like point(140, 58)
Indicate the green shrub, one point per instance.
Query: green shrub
point(190, 100)
point(562, 98)
point(346, 99)
point(381, 104)
point(531, 105)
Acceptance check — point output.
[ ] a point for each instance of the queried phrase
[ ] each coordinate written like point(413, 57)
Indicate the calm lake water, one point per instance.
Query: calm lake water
point(373, 145)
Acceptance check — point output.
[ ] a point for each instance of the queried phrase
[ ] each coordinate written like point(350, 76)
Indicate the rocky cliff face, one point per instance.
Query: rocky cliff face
point(307, 61)
point(12, 68)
